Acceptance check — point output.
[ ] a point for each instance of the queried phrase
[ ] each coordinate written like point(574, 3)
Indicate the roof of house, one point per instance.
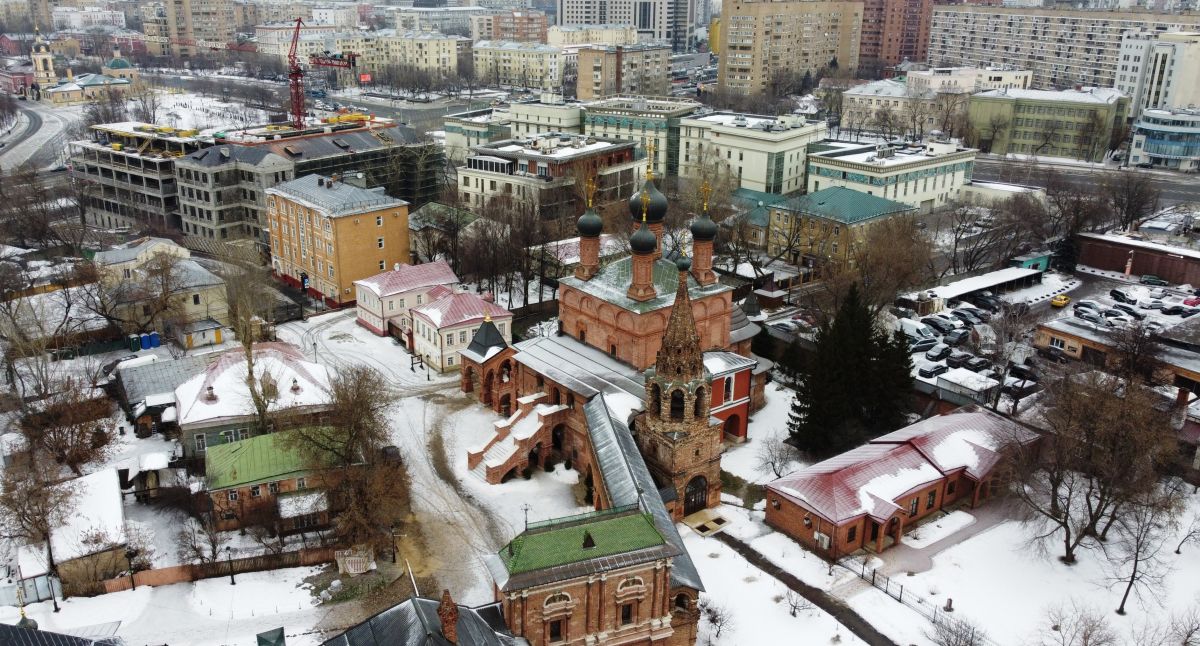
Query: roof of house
point(486, 343)
point(459, 308)
point(336, 199)
point(299, 383)
point(406, 278)
point(130, 250)
point(844, 205)
point(1094, 95)
point(139, 382)
point(755, 205)
point(566, 252)
point(579, 367)
point(18, 636)
point(415, 622)
point(559, 544)
point(254, 460)
point(888, 87)
point(867, 480)
point(96, 523)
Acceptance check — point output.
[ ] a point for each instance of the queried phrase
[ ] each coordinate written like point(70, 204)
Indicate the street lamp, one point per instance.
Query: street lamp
point(229, 560)
point(130, 553)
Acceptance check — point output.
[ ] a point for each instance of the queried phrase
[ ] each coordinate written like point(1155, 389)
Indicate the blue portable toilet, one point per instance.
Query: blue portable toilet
point(155, 341)
point(145, 341)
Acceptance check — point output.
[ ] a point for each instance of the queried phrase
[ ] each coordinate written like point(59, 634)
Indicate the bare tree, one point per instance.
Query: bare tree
point(1190, 534)
point(33, 504)
point(886, 121)
point(1135, 560)
point(1185, 627)
point(949, 631)
point(719, 617)
point(1132, 197)
point(776, 456)
point(199, 541)
point(149, 297)
point(1074, 625)
point(797, 604)
point(146, 105)
point(71, 426)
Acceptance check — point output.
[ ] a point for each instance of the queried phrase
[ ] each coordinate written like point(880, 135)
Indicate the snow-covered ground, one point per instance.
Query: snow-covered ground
point(767, 425)
point(1052, 283)
point(934, 530)
point(191, 111)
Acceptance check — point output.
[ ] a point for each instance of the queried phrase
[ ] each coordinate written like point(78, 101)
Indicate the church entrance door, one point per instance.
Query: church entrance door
point(695, 497)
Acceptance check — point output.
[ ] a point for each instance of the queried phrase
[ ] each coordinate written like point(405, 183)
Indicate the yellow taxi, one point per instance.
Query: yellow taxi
point(1060, 301)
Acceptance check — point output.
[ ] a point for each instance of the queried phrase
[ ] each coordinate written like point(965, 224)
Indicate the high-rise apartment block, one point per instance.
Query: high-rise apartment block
point(525, 25)
point(894, 31)
point(1062, 47)
point(609, 70)
point(655, 20)
point(1160, 70)
point(761, 40)
point(192, 25)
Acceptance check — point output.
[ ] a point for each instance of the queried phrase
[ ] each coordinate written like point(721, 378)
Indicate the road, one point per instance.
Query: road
point(44, 138)
point(1174, 188)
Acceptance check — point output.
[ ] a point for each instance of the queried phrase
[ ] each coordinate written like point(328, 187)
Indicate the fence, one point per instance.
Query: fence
point(185, 573)
point(934, 613)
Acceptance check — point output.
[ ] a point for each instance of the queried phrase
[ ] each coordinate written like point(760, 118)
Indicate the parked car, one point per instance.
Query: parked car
point(1158, 293)
point(1091, 305)
point(1053, 354)
point(1174, 309)
point(990, 303)
point(968, 319)
point(1154, 327)
point(1060, 300)
point(958, 359)
point(1023, 372)
point(948, 319)
point(982, 315)
point(1129, 310)
point(902, 312)
point(1192, 302)
point(938, 352)
point(942, 327)
point(977, 364)
point(1188, 312)
point(112, 365)
point(921, 345)
point(1122, 296)
point(957, 337)
point(1091, 316)
point(1151, 304)
point(1119, 321)
point(930, 370)
point(1019, 388)
point(1151, 279)
point(915, 330)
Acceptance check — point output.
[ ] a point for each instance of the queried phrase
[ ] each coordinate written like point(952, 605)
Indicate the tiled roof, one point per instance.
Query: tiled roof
point(254, 460)
point(459, 308)
point(606, 535)
point(844, 205)
point(613, 280)
point(409, 277)
point(335, 198)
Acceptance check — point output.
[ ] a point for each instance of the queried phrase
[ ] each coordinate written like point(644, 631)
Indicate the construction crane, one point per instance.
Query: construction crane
point(348, 60)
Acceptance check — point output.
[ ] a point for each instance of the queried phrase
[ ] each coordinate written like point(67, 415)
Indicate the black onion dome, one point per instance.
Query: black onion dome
point(683, 263)
point(703, 228)
point(643, 241)
point(589, 224)
point(656, 210)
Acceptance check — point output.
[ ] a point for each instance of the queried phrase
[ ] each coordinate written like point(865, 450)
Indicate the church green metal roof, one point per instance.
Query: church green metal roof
point(613, 281)
point(844, 205)
point(118, 63)
point(607, 535)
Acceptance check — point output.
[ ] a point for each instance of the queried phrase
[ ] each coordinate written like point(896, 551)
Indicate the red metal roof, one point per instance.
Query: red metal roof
point(459, 308)
point(410, 277)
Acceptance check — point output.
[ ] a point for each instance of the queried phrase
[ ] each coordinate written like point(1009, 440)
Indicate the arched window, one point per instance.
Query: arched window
point(631, 582)
point(555, 398)
point(681, 601)
point(557, 598)
point(699, 406)
point(729, 388)
point(655, 400)
point(582, 334)
point(676, 404)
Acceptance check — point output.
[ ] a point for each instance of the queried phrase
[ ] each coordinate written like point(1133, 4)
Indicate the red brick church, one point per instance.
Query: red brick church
point(649, 374)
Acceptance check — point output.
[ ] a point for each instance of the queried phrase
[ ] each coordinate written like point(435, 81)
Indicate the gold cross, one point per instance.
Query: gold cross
point(591, 190)
point(645, 204)
point(650, 148)
point(705, 191)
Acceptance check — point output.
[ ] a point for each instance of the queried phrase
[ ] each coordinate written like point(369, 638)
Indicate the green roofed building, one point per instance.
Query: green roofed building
point(594, 536)
point(265, 477)
point(824, 226)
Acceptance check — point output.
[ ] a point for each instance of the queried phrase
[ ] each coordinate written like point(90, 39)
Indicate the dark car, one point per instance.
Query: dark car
point(932, 370)
point(982, 315)
point(957, 337)
point(968, 319)
point(1120, 296)
point(990, 303)
point(1023, 372)
point(1054, 354)
point(977, 364)
point(921, 345)
point(940, 326)
point(938, 352)
point(1188, 311)
point(958, 359)
point(1129, 310)
point(1151, 279)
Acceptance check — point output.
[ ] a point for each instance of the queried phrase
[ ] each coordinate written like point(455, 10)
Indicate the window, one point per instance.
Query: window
point(232, 496)
point(728, 389)
point(382, 265)
point(462, 336)
point(195, 299)
point(201, 441)
point(450, 339)
point(391, 305)
point(418, 300)
point(807, 520)
point(930, 500)
point(255, 491)
point(851, 534)
point(450, 360)
point(379, 220)
point(913, 505)
point(626, 614)
point(1056, 342)
point(950, 487)
point(379, 242)
point(556, 630)
point(300, 484)
point(273, 487)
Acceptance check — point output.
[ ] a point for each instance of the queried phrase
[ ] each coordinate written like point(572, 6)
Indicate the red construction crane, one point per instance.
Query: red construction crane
point(347, 60)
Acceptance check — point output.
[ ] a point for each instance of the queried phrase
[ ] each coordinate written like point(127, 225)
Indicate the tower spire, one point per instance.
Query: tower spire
point(680, 354)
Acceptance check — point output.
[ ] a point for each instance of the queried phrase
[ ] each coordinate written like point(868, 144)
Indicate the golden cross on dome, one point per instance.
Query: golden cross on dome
point(487, 317)
point(590, 190)
point(706, 190)
point(650, 148)
point(645, 204)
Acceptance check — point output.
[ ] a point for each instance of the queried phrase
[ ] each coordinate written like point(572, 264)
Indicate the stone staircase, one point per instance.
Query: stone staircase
point(508, 449)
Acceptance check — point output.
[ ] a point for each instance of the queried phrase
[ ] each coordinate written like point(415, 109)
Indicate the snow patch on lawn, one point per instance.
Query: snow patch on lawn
point(933, 531)
point(769, 424)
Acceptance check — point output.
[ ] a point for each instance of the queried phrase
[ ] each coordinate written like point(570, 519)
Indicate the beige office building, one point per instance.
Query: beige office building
point(623, 69)
point(201, 22)
point(967, 79)
point(764, 153)
point(564, 35)
point(523, 65)
point(762, 39)
point(1160, 70)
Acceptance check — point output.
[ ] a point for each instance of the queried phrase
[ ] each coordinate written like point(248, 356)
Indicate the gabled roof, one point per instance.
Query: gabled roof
point(486, 343)
point(335, 198)
point(579, 367)
point(255, 460)
point(98, 513)
point(969, 438)
point(415, 622)
point(562, 543)
point(130, 251)
point(159, 377)
point(844, 205)
point(458, 309)
point(409, 277)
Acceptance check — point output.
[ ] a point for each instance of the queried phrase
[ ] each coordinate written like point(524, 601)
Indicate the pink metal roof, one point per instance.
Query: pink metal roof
point(459, 308)
point(410, 277)
point(968, 438)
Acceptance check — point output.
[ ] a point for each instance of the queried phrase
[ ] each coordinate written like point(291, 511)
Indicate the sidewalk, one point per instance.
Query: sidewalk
point(902, 558)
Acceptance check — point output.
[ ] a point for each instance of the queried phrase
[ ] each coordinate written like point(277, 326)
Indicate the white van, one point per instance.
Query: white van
point(915, 330)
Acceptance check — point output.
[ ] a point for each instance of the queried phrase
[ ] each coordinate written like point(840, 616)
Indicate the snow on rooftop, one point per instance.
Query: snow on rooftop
point(291, 506)
point(983, 281)
point(621, 405)
point(98, 513)
point(968, 379)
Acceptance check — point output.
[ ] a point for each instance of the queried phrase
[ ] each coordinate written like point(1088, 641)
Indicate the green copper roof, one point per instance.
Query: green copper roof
point(756, 205)
point(118, 63)
point(844, 205)
point(254, 460)
point(605, 536)
point(613, 281)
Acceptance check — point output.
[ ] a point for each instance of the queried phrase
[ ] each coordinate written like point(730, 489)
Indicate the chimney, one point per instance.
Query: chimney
point(295, 385)
point(320, 181)
point(70, 75)
point(209, 395)
point(448, 613)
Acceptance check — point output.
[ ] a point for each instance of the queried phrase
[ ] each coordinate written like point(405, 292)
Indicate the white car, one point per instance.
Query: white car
point(1158, 292)
point(948, 319)
point(1151, 304)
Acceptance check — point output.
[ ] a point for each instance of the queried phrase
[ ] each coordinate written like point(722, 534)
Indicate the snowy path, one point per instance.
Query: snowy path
point(47, 140)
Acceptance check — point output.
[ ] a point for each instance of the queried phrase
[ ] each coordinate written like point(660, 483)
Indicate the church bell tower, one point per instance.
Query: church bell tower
point(681, 443)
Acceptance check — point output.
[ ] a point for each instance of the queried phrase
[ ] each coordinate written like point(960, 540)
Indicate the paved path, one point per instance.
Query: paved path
point(846, 616)
point(902, 559)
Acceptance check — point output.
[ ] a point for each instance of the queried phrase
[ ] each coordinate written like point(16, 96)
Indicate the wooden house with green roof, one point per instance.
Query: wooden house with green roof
point(265, 479)
point(824, 227)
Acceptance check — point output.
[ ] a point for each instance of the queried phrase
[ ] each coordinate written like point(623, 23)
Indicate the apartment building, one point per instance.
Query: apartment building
point(524, 65)
point(1069, 123)
point(128, 171)
point(74, 18)
point(549, 114)
point(891, 107)
point(194, 25)
point(222, 189)
point(611, 70)
point(525, 25)
point(274, 39)
point(325, 234)
point(465, 130)
point(564, 35)
point(655, 20)
point(430, 51)
point(645, 121)
point(455, 20)
point(760, 40)
point(925, 176)
point(968, 79)
point(1159, 70)
point(341, 16)
point(541, 173)
point(894, 31)
point(1062, 47)
point(766, 154)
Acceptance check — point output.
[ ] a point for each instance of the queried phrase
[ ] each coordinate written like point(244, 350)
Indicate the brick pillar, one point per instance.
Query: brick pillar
point(641, 287)
point(702, 261)
point(589, 257)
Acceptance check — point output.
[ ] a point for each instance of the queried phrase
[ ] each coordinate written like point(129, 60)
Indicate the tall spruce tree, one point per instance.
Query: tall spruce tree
point(854, 387)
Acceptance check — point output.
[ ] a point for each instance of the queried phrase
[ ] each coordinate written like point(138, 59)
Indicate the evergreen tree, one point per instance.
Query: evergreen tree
point(854, 387)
